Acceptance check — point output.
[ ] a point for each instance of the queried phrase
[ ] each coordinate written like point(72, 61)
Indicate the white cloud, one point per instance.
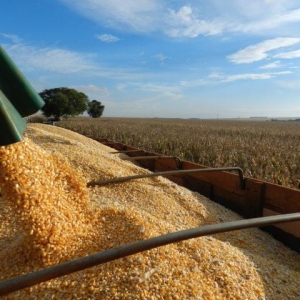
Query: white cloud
point(219, 79)
point(158, 88)
point(108, 38)
point(12, 37)
point(132, 15)
point(178, 19)
point(185, 23)
point(288, 55)
point(31, 58)
point(216, 78)
point(247, 76)
point(273, 65)
point(93, 91)
point(196, 82)
point(157, 92)
point(49, 59)
point(161, 57)
point(260, 51)
point(254, 76)
point(146, 16)
point(256, 16)
point(275, 21)
point(215, 74)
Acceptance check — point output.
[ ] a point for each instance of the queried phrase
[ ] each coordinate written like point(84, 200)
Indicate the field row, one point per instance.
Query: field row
point(267, 151)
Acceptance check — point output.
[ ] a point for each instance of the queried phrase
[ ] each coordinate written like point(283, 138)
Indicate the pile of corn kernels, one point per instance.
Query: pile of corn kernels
point(49, 216)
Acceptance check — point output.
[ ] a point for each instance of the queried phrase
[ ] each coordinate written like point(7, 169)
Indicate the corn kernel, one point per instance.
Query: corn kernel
point(48, 216)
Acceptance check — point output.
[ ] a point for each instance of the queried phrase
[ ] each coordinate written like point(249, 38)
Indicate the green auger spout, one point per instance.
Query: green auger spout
point(18, 99)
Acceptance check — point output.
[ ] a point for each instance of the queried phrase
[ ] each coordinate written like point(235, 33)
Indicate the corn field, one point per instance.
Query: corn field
point(265, 150)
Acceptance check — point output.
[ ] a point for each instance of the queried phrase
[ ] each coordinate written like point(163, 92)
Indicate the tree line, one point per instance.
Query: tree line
point(64, 101)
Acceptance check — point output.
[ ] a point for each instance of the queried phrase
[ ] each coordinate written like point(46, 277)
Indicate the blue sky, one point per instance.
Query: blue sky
point(162, 58)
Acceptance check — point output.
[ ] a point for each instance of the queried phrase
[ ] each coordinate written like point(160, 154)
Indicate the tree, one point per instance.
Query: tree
point(95, 109)
point(63, 102)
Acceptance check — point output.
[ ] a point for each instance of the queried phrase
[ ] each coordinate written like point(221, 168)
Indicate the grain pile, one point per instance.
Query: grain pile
point(48, 216)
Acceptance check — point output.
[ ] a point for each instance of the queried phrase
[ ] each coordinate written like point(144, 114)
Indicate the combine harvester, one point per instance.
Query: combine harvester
point(261, 203)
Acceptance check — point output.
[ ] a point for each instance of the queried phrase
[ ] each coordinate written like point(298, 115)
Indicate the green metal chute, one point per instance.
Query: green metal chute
point(18, 99)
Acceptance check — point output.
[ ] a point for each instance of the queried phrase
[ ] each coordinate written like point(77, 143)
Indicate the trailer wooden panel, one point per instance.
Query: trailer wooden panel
point(256, 199)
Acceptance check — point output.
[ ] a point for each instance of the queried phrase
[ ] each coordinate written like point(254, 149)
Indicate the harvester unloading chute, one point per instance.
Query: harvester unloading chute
point(18, 99)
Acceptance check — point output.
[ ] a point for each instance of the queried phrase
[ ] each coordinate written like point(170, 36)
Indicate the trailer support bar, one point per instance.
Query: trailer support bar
point(127, 151)
point(174, 172)
point(79, 264)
